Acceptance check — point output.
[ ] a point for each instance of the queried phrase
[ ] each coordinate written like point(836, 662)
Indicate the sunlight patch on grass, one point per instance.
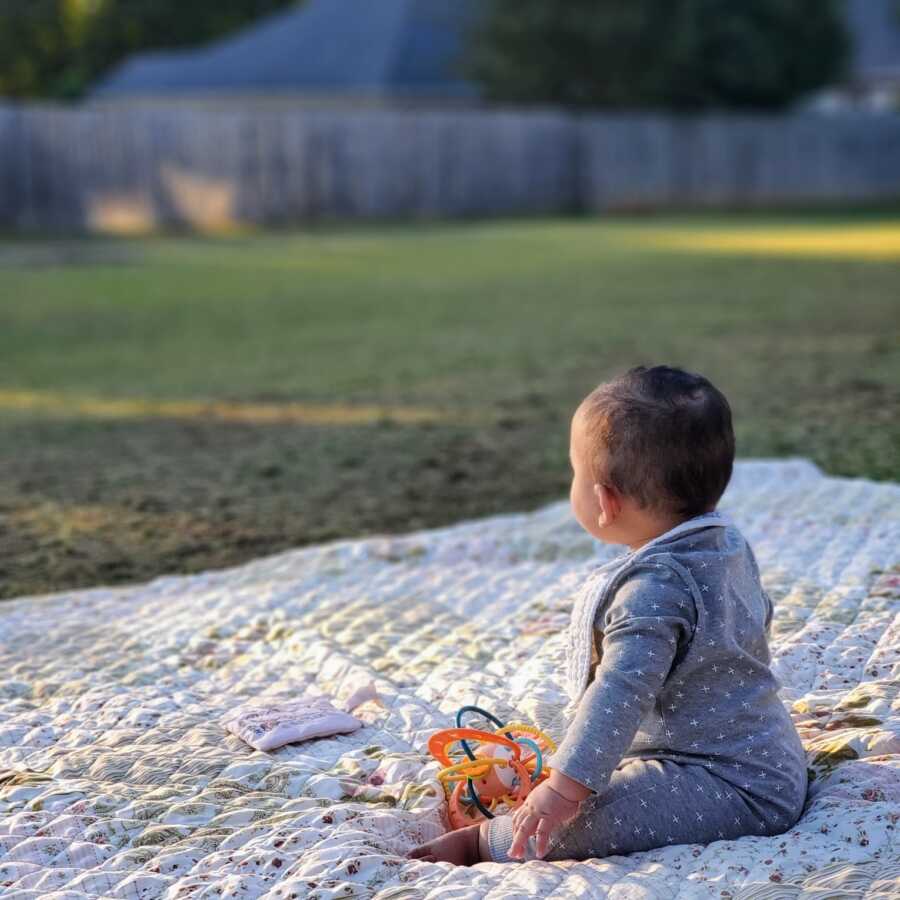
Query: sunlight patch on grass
point(250, 413)
point(879, 242)
point(67, 522)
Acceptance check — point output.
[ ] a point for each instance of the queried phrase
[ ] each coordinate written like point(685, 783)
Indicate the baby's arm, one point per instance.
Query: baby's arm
point(651, 615)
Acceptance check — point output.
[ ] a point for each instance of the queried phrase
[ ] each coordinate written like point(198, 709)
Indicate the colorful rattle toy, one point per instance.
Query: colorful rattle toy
point(495, 773)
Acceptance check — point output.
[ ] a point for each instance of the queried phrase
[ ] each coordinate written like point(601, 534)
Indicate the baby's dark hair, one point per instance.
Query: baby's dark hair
point(663, 437)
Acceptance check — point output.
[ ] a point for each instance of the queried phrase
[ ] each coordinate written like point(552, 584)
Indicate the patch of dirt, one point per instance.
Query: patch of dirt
point(86, 502)
point(103, 503)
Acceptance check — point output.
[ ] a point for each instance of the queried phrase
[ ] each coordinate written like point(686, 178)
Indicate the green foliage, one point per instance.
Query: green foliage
point(32, 45)
point(675, 54)
point(56, 48)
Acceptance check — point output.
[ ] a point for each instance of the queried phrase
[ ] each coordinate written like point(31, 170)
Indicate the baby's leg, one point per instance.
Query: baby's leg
point(462, 847)
point(649, 803)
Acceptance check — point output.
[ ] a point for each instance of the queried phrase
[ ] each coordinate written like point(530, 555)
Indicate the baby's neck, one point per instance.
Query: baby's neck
point(646, 528)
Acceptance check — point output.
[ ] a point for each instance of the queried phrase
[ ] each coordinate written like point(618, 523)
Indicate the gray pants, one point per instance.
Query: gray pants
point(651, 803)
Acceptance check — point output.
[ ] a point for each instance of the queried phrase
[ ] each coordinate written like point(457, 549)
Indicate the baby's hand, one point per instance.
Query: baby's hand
point(543, 811)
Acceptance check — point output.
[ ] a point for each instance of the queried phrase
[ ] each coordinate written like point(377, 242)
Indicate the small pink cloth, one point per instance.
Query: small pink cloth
point(265, 727)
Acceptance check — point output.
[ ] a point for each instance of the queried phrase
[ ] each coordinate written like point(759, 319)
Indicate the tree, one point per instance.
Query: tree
point(33, 45)
point(675, 54)
point(56, 48)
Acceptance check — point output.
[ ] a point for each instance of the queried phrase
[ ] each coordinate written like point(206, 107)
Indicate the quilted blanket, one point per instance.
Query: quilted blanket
point(117, 779)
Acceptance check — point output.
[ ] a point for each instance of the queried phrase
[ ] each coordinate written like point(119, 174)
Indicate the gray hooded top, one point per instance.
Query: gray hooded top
point(679, 669)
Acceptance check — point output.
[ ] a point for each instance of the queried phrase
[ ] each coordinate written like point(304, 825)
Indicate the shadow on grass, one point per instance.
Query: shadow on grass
point(86, 501)
point(104, 502)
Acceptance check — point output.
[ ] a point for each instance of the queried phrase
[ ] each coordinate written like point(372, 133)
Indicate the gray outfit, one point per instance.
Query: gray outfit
point(680, 734)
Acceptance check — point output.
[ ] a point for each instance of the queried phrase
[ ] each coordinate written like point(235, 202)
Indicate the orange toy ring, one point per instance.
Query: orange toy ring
point(440, 740)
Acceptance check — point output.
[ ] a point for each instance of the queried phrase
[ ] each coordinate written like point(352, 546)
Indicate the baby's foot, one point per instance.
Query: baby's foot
point(459, 847)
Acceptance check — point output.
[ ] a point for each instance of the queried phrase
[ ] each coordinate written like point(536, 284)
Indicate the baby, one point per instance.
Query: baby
point(679, 735)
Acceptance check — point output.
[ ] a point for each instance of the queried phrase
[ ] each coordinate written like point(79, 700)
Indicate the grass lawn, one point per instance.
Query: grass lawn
point(176, 404)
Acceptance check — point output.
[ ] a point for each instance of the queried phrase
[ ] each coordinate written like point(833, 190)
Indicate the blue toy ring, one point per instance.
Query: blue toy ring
point(537, 752)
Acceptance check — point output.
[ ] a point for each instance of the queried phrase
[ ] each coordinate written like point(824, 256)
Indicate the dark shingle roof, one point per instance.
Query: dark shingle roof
point(375, 47)
point(389, 48)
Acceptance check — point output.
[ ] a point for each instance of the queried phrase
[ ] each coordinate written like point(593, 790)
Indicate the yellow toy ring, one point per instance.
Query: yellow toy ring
point(470, 768)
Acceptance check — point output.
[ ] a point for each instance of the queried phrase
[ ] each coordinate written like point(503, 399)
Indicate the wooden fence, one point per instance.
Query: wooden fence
point(122, 169)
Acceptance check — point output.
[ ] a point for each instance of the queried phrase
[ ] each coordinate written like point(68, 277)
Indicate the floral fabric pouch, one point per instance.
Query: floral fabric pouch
point(271, 725)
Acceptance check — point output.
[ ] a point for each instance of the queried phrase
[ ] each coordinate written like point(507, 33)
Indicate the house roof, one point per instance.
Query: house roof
point(358, 47)
point(389, 48)
point(875, 29)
